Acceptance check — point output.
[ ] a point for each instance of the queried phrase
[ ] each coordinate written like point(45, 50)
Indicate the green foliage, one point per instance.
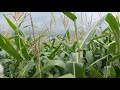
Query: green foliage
point(70, 15)
point(97, 56)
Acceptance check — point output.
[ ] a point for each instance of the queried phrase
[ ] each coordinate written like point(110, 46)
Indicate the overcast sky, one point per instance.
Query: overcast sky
point(42, 18)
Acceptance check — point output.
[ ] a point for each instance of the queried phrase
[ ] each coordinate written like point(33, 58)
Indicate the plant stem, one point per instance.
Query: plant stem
point(36, 50)
point(76, 31)
point(74, 68)
point(38, 56)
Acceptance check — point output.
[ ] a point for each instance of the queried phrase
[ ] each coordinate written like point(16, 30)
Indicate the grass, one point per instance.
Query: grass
point(95, 56)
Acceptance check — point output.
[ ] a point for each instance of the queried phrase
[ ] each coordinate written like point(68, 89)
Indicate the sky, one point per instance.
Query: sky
point(42, 18)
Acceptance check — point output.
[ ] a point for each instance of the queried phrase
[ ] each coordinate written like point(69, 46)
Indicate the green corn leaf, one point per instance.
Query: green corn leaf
point(13, 26)
point(89, 57)
point(3, 54)
point(28, 66)
point(3, 61)
point(24, 50)
point(115, 28)
point(76, 69)
point(109, 72)
point(7, 46)
point(17, 40)
point(70, 15)
point(10, 23)
point(98, 60)
point(90, 35)
point(95, 72)
point(52, 63)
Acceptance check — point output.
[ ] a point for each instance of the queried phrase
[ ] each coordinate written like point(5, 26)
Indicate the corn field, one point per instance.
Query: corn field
point(72, 55)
